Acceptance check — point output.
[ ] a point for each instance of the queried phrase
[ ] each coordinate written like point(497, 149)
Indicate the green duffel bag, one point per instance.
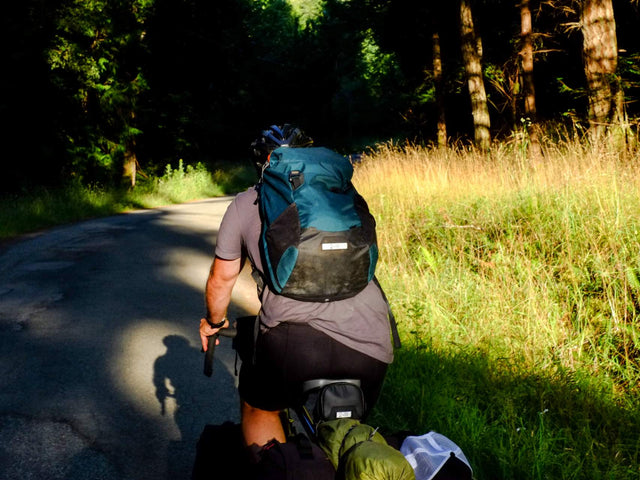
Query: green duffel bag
point(359, 452)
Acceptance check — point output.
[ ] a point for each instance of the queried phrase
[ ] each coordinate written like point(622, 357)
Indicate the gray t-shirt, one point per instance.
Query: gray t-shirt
point(359, 322)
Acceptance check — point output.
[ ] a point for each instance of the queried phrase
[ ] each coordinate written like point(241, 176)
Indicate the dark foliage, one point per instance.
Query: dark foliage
point(196, 79)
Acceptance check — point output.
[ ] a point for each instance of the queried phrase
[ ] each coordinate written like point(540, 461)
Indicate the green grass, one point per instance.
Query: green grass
point(516, 290)
point(43, 208)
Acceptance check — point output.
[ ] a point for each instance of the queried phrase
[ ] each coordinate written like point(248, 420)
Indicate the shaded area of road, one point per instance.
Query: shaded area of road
point(100, 364)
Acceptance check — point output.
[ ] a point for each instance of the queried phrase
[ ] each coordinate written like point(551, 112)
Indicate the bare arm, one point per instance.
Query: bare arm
point(222, 278)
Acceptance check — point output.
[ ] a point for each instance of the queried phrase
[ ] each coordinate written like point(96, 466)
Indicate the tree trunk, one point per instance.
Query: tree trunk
point(472, 57)
point(130, 164)
point(438, 80)
point(600, 51)
point(528, 84)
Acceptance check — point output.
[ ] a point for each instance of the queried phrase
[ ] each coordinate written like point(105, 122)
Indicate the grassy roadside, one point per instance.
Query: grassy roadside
point(44, 208)
point(516, 287)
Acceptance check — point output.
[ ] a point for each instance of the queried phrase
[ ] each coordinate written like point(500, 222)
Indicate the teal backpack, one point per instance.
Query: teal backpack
point(318, 239)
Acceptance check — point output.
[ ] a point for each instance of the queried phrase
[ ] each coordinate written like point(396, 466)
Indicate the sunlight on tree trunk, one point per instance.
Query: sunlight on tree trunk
point(472, 57)
point(529, 89)
point(600, 50)
point(130, 165)
point(438, 80)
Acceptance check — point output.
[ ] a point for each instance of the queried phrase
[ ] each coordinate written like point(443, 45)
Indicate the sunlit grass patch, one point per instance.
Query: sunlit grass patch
point(42, 208)
point(515, 285)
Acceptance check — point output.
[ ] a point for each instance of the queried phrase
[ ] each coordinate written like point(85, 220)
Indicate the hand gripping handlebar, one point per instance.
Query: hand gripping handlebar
point(211, 346)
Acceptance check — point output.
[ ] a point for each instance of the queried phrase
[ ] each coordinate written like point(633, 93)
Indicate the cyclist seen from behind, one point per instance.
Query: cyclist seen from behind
point(298, 340)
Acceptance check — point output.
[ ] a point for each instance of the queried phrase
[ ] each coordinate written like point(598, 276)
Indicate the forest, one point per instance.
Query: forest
point(500, 142)
point(103, 92)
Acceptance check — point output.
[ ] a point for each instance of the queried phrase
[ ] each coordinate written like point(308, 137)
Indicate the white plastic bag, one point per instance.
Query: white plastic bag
point(428, 453)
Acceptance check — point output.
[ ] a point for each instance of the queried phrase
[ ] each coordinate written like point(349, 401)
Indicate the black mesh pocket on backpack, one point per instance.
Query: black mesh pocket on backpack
point(330, 266)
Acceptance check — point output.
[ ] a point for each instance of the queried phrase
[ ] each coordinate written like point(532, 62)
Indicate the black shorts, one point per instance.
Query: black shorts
point(290, 354)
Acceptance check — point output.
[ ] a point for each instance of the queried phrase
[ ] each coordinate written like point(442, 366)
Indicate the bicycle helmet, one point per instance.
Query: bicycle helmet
point(275, 136)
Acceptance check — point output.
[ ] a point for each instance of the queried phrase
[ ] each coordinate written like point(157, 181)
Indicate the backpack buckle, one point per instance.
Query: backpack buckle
point(296, 179)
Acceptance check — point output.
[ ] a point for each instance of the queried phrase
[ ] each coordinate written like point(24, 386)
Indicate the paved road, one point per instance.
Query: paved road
point(100, 364)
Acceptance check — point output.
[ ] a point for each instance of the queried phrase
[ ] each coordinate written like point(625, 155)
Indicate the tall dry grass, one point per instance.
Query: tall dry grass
point(526, 276)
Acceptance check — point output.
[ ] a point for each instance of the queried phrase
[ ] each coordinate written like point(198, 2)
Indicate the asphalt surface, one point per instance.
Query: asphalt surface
point(100, 363)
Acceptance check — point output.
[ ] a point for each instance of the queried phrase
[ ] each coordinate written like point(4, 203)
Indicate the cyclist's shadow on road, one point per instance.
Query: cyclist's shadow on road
point(194, 400)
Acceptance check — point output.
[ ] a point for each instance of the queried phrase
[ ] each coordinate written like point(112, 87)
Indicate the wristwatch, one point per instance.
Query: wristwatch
point(217, 325)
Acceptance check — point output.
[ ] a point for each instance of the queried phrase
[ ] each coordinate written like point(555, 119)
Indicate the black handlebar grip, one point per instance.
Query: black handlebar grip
point(211, 346)
point(208, 357)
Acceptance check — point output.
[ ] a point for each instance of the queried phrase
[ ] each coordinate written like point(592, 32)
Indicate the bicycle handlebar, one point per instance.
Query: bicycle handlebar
point(211, 346)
